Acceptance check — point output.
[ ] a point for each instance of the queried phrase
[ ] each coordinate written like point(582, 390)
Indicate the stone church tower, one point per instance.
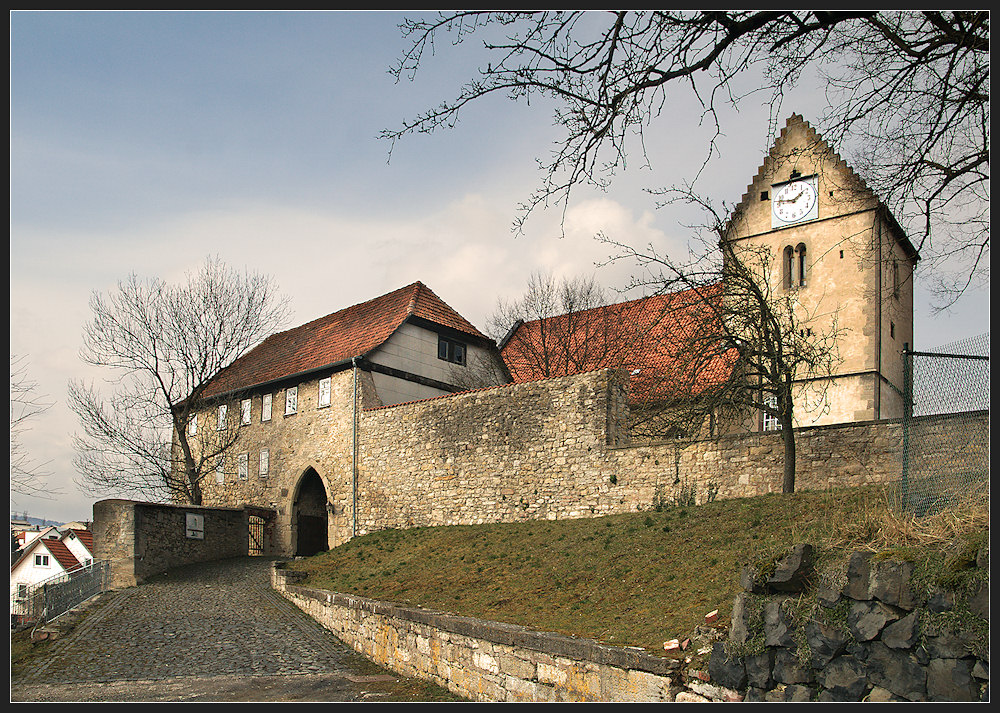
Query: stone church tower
point(843, 259)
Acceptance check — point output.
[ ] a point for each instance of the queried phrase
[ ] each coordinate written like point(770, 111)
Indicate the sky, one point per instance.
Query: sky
point(145, 142)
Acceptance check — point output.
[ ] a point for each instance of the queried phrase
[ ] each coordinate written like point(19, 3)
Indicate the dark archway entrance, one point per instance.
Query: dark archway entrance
point(310, 515)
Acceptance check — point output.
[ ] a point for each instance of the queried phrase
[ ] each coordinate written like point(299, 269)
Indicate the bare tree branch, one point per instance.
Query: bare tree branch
point(27, 477)
point(164, 343)
point(909, 89)
point(737, 347)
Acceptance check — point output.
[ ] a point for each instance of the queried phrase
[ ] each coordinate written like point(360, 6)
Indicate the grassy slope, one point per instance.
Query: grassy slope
point(635, 580)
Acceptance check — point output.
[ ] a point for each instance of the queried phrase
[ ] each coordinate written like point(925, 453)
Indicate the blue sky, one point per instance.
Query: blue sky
point(145, 141)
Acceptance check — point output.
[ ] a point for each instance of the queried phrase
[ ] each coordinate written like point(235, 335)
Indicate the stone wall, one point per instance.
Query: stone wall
point(142, 539)
point(485, 660)
point(874, 634)
point(553, 449)
point(548, 449)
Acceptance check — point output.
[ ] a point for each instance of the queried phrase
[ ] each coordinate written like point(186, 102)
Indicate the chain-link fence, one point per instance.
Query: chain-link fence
point(946, 425)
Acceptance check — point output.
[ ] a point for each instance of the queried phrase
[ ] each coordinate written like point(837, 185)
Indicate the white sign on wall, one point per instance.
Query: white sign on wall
point(195, 526)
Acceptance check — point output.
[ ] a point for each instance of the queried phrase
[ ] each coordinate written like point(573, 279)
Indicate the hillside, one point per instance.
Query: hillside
point(634, 580)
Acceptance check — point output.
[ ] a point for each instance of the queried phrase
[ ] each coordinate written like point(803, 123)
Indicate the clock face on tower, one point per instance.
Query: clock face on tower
point(794, 202)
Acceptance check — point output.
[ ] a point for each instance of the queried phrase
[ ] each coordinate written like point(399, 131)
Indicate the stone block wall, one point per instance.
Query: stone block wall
point(553, 449)
point(142, 539)
point(874, 634)
point(548, 449)
point(485, 660)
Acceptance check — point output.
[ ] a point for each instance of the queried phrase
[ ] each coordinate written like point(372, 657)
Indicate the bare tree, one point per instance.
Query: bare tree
point(164, 343)
point(555, 328)
point(910, 89)
point(26, 475)
point(737, 346)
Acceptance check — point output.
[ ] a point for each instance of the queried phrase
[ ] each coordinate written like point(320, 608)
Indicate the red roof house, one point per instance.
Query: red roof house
point(362, 332)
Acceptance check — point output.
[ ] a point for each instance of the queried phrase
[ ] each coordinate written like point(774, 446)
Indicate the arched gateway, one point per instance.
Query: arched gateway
point(309, 515)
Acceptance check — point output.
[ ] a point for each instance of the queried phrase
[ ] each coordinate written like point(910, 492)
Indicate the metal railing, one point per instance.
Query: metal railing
point(945, 449)
point(46, 600)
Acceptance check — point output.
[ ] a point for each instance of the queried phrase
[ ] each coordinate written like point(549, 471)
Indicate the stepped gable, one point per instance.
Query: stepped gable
point(337, 338)
point(815, 144)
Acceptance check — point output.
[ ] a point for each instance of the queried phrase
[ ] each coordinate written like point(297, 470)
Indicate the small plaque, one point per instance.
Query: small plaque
point(195, 527)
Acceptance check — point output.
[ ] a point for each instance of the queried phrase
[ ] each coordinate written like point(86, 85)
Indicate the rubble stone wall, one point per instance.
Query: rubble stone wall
point(874, 634)
point(142, 539)
point(556, 449)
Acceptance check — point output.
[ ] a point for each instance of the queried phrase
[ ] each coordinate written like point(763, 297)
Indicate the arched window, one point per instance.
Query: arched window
point(800, 252)
point(787, 267)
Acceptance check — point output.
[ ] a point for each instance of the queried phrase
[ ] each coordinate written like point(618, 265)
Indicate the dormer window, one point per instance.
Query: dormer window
point(450, 350)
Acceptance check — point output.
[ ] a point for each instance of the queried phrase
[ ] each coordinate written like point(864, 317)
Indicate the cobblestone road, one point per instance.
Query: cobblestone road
point(208, 632)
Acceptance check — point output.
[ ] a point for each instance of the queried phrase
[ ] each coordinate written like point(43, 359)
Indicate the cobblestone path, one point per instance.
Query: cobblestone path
point(214, 631)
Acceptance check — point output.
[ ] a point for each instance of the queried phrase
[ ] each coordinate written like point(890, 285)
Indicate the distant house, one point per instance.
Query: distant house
point(47, 558)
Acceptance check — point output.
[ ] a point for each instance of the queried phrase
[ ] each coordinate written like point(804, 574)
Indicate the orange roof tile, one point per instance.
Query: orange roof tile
point(61, 552)
point(336, 338)
point(85, 536)
point(649, 338)
point(56, 548)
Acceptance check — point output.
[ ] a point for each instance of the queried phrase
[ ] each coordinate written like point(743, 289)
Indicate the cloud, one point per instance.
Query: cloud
point(323, 260)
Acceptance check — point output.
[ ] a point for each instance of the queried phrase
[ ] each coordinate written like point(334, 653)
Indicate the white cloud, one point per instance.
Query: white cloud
point(324, 261)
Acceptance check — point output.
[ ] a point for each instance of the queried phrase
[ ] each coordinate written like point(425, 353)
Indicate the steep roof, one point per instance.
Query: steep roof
point(649, 338)
point(337, 338)
point(84, 536)
point(59, 551)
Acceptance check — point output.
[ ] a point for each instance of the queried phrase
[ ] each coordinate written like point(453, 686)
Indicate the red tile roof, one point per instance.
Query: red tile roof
point(352, 332)
point(62, 553)
point(649, 338)
point(56, 548)
point(85, 536)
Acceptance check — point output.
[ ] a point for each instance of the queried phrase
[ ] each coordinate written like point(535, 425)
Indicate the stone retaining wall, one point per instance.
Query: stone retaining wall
point(484, 660)
point(874, 635)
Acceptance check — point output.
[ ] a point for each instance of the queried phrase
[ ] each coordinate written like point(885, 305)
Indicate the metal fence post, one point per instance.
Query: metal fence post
point(907, 417)
point(945, 426)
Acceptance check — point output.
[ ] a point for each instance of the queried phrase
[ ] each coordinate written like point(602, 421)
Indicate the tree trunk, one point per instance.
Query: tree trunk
point(788, 440)
point(194, 488)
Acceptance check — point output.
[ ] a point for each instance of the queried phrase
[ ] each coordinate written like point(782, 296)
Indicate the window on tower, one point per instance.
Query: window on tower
point(787, 266)
point(800, 253)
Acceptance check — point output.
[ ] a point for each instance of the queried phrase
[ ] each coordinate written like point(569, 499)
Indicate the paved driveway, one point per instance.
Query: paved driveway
point(211, 632)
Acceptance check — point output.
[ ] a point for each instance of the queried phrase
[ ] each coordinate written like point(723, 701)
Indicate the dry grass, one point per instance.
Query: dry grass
point(637, 580)
point(881, 525)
